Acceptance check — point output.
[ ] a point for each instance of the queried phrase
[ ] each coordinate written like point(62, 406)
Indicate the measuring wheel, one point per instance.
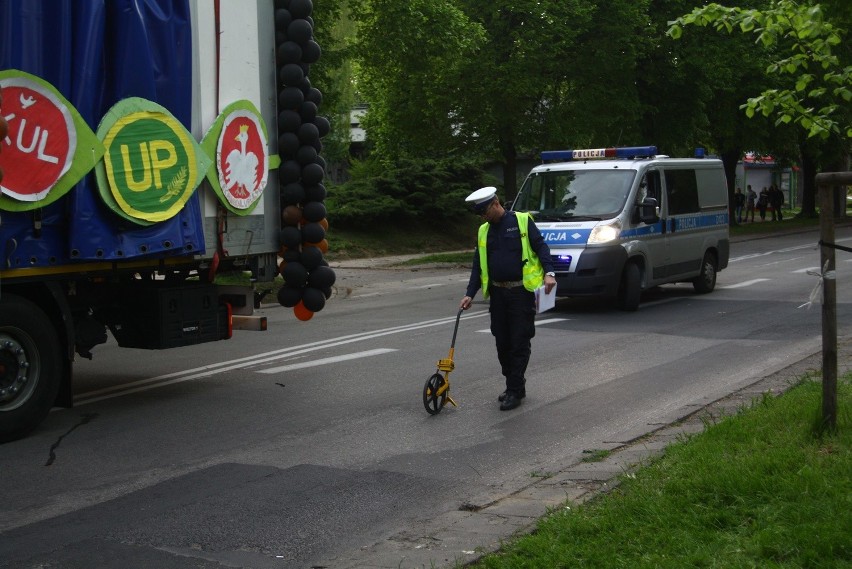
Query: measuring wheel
point(435, 393)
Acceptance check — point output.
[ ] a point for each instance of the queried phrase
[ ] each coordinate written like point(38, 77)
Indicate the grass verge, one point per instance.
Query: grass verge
point(758, 489)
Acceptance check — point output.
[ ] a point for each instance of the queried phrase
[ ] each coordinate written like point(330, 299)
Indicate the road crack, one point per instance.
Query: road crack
point(84, 418)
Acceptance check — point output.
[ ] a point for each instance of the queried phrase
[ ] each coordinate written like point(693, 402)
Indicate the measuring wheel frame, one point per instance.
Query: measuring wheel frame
point(436, 392)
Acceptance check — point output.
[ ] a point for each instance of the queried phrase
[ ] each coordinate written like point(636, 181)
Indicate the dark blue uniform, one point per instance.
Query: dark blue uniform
point(512, 307)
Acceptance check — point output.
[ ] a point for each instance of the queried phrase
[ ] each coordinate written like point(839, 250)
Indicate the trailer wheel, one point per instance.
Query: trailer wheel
point(629, 291)
point(30, 366)
point(706, 281)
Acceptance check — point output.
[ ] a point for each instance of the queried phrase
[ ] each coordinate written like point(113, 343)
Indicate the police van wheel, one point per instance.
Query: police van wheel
point(706, 281)
point(630, 290)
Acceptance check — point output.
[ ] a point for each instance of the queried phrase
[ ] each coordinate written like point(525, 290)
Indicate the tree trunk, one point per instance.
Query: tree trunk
point(510, 171)
point(809, 170)
point(730, 159)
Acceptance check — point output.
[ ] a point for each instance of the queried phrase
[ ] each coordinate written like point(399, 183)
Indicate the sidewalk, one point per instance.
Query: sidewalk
point(460, 537)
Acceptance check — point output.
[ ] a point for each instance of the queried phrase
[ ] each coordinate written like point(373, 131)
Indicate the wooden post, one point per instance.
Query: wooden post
point(826, 183)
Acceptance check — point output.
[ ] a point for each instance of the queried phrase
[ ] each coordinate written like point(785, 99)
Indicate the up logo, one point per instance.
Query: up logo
point(152, 165)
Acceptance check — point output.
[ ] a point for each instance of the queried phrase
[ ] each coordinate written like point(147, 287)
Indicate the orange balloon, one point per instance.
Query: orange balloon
point(281, 266)
point(322, 245)
point(302, 313)
point(324, 223)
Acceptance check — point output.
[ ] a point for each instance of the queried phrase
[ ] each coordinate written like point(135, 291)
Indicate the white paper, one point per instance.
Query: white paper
point(544, 301)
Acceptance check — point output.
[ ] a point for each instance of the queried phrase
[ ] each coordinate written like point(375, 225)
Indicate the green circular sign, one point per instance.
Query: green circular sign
point(151, 165)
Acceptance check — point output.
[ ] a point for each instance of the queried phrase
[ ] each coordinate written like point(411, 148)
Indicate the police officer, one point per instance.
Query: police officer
point(511, 261)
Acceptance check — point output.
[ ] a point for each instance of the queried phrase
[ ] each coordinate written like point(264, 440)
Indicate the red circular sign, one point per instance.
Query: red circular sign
point(242, 159)
point(41, 142)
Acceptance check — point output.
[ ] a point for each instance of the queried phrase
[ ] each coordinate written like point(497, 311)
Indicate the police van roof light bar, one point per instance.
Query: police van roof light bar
point(597, 153)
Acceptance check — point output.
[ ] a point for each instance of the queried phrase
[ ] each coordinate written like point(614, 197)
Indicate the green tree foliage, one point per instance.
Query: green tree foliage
point(809, 79)
point(332, 74)
point(408, 54)
point(493, 79)
point(817, 84)
point(692, 88)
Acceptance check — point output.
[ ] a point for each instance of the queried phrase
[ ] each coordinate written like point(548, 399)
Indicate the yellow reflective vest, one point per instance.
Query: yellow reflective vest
point(533, 270)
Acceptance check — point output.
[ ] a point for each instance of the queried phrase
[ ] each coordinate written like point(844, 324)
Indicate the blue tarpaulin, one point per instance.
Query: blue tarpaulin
point(96, 53)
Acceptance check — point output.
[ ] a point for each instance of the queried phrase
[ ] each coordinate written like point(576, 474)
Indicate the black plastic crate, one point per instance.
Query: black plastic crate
point(158, 315)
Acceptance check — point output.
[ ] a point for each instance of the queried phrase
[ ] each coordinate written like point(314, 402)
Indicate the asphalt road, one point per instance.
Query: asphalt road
point(293, 447)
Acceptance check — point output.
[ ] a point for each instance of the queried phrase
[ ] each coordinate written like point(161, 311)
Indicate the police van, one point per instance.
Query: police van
point(622, 220)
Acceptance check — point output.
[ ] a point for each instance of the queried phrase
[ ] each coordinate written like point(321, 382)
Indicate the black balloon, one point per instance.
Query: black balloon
point(291, 98)
point(288, 120)
point(311, 257)
point(289, 171)
point(288, 143)
point(311, 52)
point(308, 111)
point(313, 232)
point(312, 174)
point(323, 126)
point(315, 193)
point(321, 277)
point(289, 52)
point(290, 237)
point(295, 274)
point(291, 74)
point(314, 95)
point(293, 193)
point(300, 31)
point(314, 211)
point(283, 19)
point(301, 8)
point(289, 296)
point(306, 154)
point(292, 255)
point(313, 299)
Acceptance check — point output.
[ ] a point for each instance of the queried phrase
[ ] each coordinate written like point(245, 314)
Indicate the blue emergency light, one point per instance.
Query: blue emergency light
point(598, 153)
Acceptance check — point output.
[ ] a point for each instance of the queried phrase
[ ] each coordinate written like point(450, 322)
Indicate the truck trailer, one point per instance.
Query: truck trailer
point(153, 146)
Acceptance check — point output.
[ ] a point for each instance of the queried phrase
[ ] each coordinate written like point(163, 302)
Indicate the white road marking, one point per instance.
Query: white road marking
point(326, 361)
point(239, 363)
point(537, 322)
point(744, 284)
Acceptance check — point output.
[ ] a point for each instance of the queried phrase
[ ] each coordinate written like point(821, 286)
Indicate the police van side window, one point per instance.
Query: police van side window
point(682, 191)
point(649, 187)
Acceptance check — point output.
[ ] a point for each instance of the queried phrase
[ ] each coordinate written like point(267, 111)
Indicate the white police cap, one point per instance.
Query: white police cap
point(482, 195)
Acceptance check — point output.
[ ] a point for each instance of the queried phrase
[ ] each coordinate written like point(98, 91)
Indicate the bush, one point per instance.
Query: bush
point(424, 190)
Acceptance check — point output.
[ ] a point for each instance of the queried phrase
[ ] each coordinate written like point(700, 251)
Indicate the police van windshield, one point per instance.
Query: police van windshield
point(575, 195)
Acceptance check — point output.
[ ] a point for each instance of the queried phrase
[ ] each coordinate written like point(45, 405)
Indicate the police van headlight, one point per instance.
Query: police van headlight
point(604, 233)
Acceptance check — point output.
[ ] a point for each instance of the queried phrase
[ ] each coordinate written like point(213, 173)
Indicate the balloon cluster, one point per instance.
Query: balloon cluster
point(308, 278)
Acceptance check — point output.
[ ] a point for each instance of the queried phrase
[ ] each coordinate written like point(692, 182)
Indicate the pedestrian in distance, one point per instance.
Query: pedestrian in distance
point(739, 204)
point(751, 199)
point(763, 203)
point(511, 261)
point(776, 200)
